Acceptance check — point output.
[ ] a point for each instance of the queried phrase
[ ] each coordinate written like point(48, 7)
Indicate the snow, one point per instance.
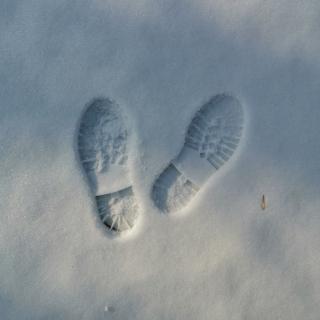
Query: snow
point(223, 257)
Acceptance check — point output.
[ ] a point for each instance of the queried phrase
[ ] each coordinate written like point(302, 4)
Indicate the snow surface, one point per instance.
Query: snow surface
point(223, 257)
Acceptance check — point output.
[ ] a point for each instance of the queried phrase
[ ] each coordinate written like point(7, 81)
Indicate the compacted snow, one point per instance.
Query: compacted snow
point(159, 159)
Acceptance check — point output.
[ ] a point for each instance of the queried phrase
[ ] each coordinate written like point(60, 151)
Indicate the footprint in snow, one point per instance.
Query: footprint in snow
point(103, 146)
point(212, 137)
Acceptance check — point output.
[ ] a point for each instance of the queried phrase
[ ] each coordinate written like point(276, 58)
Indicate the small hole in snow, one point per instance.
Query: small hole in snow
point(109, 309)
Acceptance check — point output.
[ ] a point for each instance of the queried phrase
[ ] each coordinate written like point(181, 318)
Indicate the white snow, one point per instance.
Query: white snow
point(221, 258)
